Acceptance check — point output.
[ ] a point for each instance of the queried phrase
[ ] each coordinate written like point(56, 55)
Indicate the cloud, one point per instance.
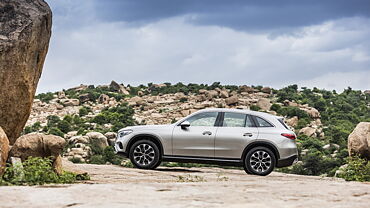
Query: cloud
point(253, 15)
point(173, 50)
point(339, 80)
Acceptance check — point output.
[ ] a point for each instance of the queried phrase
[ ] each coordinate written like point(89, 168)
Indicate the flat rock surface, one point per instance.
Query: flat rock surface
point(115, 186)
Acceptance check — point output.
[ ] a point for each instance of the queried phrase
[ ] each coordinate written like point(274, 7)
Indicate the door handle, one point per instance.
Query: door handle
point(207, 133)
point(248, 134)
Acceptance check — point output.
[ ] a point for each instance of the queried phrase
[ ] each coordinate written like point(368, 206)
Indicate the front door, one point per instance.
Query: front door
point(198, 139)
point(235, 133)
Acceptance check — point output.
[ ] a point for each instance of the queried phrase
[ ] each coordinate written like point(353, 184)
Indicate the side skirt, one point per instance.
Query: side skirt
point(203, 160)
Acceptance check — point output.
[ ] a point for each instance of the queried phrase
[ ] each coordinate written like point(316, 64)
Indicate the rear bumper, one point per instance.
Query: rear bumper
point(286, 161)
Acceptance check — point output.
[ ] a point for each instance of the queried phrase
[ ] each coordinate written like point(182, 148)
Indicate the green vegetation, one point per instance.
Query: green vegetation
point(37, 171)
point(186, 89)
point(357, 170)
point(94, 93)
point(45, 97)
point(119, 116)
point(340, 113)
point(103, 156)
point(84, 111)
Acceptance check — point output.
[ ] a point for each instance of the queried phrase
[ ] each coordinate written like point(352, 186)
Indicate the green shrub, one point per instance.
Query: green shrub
point(275, 107)
point(84, 111)
point(357, 170)
point(111, 157)
point(292, 111)
point(45, 97)
point(183, 100)
point(64, 126)
point(34, 128)
point(303, 122)
point(36, 171)
point(317, 163)
point(103, 156)
point(56, 131)
point(255, 108)
point(119, 116)
point(127, 163)
point(97, 159)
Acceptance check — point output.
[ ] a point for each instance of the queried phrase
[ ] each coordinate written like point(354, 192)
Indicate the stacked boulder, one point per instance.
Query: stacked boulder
point(80, 149)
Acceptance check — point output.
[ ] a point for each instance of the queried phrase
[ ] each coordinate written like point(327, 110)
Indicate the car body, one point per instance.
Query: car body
point(217, 136)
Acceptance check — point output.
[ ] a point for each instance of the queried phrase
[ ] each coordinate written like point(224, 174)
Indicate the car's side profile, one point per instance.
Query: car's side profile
point(257, 141)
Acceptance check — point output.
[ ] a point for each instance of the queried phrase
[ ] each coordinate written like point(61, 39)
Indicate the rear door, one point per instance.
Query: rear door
point(235, 133)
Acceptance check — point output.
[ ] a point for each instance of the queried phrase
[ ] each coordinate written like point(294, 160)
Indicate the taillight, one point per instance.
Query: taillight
point(289, 136)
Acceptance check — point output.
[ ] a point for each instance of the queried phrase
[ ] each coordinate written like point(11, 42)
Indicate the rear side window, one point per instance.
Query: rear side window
point(281, 120)
point(262, 122)
point(237, 120)
point(234, 120)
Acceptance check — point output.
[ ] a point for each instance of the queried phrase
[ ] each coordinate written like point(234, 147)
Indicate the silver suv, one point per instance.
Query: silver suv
point(257, 141)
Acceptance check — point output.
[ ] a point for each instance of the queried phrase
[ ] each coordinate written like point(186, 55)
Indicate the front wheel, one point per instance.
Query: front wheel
point(259, 161)
point(144, 154)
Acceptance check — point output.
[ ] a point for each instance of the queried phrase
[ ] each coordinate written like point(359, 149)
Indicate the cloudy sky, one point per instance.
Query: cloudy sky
point(258, 42)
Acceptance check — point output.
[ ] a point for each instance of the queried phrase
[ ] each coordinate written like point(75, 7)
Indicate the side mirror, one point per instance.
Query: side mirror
point(185, 124)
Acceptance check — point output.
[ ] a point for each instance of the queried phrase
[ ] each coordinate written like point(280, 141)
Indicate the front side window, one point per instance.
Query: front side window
point(203, 119)
point(262, 122)
point(234, 120)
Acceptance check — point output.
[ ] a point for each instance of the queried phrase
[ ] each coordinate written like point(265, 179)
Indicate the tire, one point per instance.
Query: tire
point(259, 161)
point(145, 154)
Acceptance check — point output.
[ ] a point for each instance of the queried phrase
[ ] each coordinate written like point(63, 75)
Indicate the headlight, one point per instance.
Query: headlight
point(124, 133)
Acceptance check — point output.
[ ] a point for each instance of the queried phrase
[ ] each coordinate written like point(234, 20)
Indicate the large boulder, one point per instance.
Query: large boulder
point(98, 138)
point(292, 121)
point(359, 140)
point(308, 131)
point(264, 104)
point(232, 100)
point(4, 150)
point(111, 136)
point(39, 145)
point(312, 112)
point(118, 88)
point(25, 30)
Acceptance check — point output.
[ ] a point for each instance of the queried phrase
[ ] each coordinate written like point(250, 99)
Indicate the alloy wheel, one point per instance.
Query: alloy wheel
point(144, 154)
point(260, 161)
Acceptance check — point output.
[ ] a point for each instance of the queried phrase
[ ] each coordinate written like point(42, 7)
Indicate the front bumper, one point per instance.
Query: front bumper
point(286, 161)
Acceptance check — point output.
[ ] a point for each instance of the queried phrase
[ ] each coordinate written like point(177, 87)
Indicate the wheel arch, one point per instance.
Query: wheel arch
point(149, 137)
point(268, 145)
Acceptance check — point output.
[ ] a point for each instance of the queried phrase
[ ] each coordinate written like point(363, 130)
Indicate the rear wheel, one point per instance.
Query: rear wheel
point(259, 161)
point(145, 154)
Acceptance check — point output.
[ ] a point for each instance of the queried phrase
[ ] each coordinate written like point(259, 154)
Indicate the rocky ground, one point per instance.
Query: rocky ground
point(115, 186)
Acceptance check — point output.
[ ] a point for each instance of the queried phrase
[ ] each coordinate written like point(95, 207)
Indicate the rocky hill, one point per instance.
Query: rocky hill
point(322, 119)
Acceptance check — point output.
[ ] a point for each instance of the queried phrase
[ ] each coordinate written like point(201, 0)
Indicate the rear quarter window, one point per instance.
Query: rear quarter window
point(262, 122)
point(281, 120)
